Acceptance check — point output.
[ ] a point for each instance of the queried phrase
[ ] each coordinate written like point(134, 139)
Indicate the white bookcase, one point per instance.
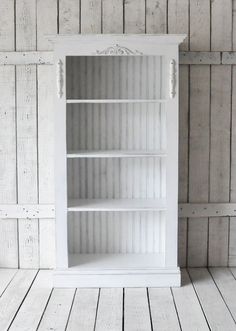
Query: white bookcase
point(116, 160)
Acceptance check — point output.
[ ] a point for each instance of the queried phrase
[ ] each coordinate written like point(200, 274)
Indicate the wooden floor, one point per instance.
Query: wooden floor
point(206, 301)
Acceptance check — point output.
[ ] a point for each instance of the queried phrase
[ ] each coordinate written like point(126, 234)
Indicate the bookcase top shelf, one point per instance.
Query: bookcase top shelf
point(115, 153)
point(116, 101)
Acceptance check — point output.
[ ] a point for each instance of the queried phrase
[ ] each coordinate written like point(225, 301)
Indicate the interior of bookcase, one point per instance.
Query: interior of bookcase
point(116, 165)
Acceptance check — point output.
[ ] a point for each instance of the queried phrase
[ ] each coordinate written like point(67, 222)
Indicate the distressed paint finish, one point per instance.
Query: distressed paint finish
point(107, 16)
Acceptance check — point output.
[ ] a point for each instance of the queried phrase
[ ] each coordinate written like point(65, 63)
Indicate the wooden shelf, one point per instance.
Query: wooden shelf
point(116, 205)
point(69, 101)
point(114, 154)
point(117, 262)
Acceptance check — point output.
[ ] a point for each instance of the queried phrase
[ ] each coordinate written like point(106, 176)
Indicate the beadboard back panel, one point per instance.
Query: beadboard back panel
point(207, 130)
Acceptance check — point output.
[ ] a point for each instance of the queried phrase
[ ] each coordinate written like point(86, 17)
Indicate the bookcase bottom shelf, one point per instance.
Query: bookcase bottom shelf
point(117, 270)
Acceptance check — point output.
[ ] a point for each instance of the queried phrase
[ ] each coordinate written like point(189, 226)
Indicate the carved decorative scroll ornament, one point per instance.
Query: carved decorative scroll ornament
point(118, 50)
point(59, 78)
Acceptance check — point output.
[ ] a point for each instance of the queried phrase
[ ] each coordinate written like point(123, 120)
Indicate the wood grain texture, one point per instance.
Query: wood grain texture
point(46, 23)
point(91, 13)
point(219, 161)
point(221, 25)
point(83, 312)
point(156, 16)
point(7, 35)
point(200, 25)
point(69, 16)
point(199, 160)
point(134, 16)
point(178, 19)
point(112, 16)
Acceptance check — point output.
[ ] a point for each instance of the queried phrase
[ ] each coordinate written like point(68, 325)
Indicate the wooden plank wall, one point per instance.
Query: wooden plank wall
point(207, 117)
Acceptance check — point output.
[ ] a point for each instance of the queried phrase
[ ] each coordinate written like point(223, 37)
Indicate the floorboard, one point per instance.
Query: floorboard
point(205, 301)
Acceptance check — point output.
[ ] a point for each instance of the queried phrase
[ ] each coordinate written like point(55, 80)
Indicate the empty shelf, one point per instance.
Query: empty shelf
point(115, 100)
point(114, 154)
point(117, 205)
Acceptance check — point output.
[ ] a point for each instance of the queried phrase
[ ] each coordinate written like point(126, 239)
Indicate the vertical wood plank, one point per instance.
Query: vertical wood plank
point(46, 23)
point(27, 162)
point(112, 16)
point(134, 16)
point(219, 161)
point(69, 16)
point(8, 193)
point(183, 158)
point(156, 16)
point(25, 25)
point(91, 14)
point(200, 25)
point(7, 24)
point(178, 19)
point(234, 25)
point(221, 25)
point(232, 238)
point(46, 162)
point(199, 161)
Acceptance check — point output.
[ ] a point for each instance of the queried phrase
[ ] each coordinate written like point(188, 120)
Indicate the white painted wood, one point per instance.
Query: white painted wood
point(97, 101)
point(8, 194)
point(46, 164)
point(25, 20)
point(196, 210)
point(69, 16)
point(91, 16)
point(6, 276)
point(201, 57)
point(217, 314)
point(188, 307)
point(110, 310)
point(116, 204)
point(26, 58)
point(7, 25)
point(14, 295)
point(227, 286)
point(57, 311)
point(27, 211)
point(162, 309)
point(220, 150)
point(198, 160)
point(233, 270)
point(134, 16)
point(46, 22)
point(114, 153)
point(221, 25)
point(137, 316)
point(83, 312)
point(31, 310)
point(27, 162)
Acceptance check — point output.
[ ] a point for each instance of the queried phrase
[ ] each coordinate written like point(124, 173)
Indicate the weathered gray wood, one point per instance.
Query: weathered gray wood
point(112, 16)
point(83, 313)
point(200, 58)
point(110, 310)
point(46, 22)
point(234, 25)
point(91, 12)
point(228, 57)
point(221, 25)
point(217, 314)
point(31, 310)
point(199, 25)
point(199, 160)
point(25, 25)
point(46, 162)
point(136, 316)
point(57, 311)
point(162, 308)
point(178, 19)
point(187, 305)
point(14, 295)
point(156, 16)
point(134, 16)
point(7, 38)
point(196, 210)
point(219, 161)
point(226, 284)
point(69, 16)
point(7, 58)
